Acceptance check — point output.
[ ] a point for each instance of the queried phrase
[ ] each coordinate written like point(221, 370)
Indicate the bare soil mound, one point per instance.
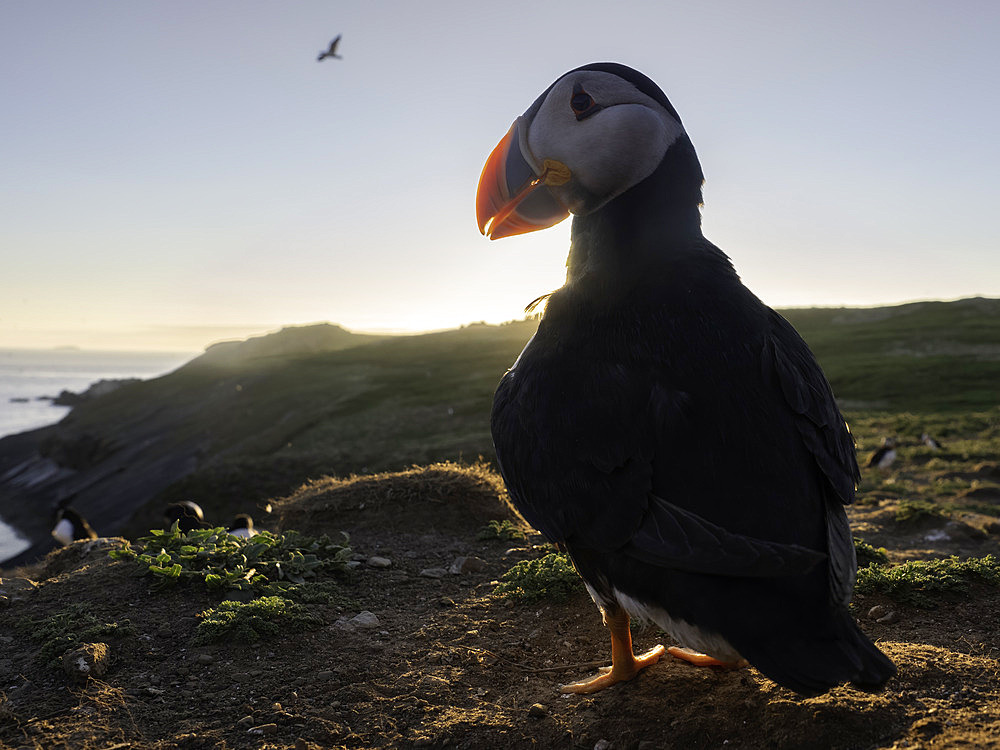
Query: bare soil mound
point(443, 663)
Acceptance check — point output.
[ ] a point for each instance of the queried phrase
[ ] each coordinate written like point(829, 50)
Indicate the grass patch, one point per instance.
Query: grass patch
point(219, 560)
point(249, 622)
point(71, 627)
point(503, 530)
point(551, 577)
point(912, 511)
point(867, 554)
point(916, 581)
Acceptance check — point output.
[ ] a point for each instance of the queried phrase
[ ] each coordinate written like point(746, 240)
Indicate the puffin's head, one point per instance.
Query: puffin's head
point(593, 134)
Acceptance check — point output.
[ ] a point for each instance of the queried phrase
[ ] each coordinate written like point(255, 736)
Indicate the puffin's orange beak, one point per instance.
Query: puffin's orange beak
point(512, 199)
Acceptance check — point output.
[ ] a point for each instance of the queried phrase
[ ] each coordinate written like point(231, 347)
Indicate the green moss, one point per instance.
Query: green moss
point(502, 530)
point(867, 554)
point(249, 622)
point(551, 577)
point(71, 627)
point(915, 581)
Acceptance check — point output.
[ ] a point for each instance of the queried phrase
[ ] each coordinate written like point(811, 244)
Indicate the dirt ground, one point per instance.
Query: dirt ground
point(447, 665)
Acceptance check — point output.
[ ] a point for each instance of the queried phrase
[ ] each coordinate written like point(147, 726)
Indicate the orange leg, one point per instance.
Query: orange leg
point(703, 660)
point(624, 666)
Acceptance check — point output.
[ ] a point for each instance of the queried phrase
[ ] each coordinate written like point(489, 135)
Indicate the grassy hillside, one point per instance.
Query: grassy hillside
point(252, 421)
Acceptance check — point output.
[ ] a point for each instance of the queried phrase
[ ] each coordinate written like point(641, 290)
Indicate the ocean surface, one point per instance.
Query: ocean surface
point(27, 375)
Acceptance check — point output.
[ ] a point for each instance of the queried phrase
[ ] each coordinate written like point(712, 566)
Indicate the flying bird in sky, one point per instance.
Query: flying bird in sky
point(332, 51)
point(666, 428)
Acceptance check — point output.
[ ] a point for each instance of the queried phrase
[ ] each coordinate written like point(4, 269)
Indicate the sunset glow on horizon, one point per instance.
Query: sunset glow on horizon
point(180, 174)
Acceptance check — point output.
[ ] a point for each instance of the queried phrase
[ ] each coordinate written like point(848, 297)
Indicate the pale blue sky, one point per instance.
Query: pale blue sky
point(174, 173)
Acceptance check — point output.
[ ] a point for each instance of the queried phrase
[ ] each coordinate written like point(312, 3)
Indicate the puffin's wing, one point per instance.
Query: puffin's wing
point(334, 43)
point(676, 538)
point(825, 434)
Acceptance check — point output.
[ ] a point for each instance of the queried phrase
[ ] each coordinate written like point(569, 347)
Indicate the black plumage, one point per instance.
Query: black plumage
point(331, 51)
point(187, 514)
point(678, 438)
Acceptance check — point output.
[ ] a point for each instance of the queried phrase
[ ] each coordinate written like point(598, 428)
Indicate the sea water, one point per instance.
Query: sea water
point(27, 376)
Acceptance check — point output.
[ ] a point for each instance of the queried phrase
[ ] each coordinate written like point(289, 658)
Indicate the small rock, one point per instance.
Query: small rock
point(538, 710)
point(888, 618)
point(433, 572)
point(301, 744)
point(6, 639)
point(446, 601)
point(602, 745)
point(245, 723)
point(264, 729)
point(89, 660)
point(878, 611)
point(365, 619)
point(467, 565)
point(326, 674)
point(353, 564)
point(379, 562)
point(342, 623)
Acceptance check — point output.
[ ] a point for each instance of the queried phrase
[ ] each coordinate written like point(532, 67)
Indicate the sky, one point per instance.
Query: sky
point(173, 174)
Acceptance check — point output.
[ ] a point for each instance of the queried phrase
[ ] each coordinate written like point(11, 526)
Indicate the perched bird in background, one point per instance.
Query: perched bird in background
point(332, 51)
point(69, 526)
point(187, 514)
point(242, 525)
point(883, 457)
point(930, 442)
point(669, 430)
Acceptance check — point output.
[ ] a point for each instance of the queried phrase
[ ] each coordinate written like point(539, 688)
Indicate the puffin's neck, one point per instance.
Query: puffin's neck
point(646, 224)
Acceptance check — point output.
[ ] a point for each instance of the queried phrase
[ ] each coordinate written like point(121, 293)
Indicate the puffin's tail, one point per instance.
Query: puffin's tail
point(812, 663)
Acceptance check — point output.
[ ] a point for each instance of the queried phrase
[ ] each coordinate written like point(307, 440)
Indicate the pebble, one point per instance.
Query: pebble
point(326, 674)
point(89, 660)
point(446, 601)
point(245, 723)
point(264, 729)
point(433, 572)
point(602, 745)
point(878, 611)
point(301, 744)
point(204, 658)
point(379, 562)
point(538, 710)
point(888, 619)
point(353, 564)
point(365, 619)
point(467, 565)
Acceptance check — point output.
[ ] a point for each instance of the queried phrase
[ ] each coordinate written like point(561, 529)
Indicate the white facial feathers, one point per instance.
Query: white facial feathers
point(609, 151)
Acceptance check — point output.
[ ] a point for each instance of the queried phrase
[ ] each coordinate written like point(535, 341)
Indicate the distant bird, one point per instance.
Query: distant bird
point(187, 514)
point(69, 526)
point(332, 52)
point(883, 457)
point(242, 526)
point(930, 442)
point(674, 434)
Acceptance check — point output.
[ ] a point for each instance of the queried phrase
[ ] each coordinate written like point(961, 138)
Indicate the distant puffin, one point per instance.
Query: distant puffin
point(69, 526)
point(883, 457)
point(670, 431)
point(930, 442)
point(242, 526)
point(332, 51)
point(187, 514)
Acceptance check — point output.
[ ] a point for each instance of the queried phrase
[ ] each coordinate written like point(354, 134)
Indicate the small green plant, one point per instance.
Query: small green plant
point(916, 580)
point(911, 511)
point(249, 622)
point(70, 627)
point(503, 530)
point(551, 577)
point(868, 555)
point(219, 560)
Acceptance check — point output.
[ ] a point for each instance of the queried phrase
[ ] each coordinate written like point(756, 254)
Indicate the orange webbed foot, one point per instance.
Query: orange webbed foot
point(704, 660)
point(621, 670)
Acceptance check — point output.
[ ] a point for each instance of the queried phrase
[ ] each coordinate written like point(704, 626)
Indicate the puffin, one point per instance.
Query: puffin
point(187, 514)
point(930, 442)
point(883, 457)
point(69, 526)
point(242, 526)
point(331, 51)
point(667, 429)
